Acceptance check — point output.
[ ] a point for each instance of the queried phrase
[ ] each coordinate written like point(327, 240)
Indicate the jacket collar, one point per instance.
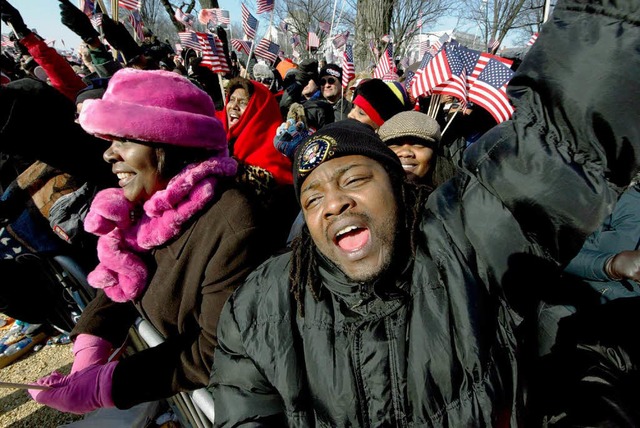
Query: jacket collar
point(358, 294)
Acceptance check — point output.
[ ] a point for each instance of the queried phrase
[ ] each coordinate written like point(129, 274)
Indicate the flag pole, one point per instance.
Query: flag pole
point(333, 16)
point(253, 45)
point(547, 7)
point(270, 23)
point(449, 122)
point(114, 10)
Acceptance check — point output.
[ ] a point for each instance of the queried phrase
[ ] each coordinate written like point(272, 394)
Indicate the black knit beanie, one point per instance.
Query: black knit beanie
point(333, 70)
point(381, 100)
point(342, 138)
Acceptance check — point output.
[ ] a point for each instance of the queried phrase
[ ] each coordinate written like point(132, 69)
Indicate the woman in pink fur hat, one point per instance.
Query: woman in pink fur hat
point(176, 237)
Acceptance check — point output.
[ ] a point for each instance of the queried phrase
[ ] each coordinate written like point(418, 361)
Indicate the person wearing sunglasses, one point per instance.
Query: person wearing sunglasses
point(262, 73)
point(332, 91)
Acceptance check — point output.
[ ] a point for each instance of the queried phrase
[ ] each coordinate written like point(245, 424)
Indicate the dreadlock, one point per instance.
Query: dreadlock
point(304, 272)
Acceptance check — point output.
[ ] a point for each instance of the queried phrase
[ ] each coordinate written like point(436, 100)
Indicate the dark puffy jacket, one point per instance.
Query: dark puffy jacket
point(438, 346)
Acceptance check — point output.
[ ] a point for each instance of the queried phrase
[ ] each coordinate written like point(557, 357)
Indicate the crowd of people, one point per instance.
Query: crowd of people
point(316, 256)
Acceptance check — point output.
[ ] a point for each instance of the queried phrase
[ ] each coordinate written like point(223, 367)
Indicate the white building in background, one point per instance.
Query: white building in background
point(466, 39)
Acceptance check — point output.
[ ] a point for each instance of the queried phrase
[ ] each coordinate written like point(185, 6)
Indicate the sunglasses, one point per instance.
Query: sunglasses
point(265, 80)
point(329, 80)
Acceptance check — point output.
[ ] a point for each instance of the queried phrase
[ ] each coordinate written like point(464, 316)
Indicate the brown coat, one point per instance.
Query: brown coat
point(195, 274)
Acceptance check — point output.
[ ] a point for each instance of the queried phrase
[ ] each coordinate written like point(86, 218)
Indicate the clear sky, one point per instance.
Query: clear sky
point(44, 16)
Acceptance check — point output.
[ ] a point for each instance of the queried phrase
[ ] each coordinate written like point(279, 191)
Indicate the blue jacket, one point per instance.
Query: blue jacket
point(619, 232)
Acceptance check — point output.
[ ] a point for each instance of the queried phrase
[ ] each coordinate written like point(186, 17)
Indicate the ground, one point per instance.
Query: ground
point(17, 409)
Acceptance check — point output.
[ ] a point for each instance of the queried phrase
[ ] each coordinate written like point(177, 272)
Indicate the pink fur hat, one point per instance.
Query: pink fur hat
point(154, 106)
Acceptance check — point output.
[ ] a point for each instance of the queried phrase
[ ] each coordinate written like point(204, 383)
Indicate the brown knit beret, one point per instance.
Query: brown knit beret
point(410, 124)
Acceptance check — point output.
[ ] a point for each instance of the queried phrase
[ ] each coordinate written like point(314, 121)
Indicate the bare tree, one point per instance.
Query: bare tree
point(304, 16)
point(529, 21)
point(497, 17)
point(373, 20)
point(406, 17)
point(154, 16)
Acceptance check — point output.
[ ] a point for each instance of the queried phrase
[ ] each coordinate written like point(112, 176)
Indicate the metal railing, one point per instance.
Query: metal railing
point(193, 409)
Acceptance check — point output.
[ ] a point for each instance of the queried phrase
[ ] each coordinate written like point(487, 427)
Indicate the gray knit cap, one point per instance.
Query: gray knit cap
point(410, 124)
point(262, 71)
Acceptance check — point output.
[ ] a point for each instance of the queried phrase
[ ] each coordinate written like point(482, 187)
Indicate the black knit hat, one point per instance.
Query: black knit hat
point(333, 70)
point(342, 138)
point(381, 100)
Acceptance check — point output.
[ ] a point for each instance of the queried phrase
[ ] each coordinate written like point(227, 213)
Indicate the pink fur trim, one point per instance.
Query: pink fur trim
point(121, 273)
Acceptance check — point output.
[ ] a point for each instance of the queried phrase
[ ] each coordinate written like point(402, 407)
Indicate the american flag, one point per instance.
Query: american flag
point(456, 86)
point(185, 18)
point(424, 47)
point(533, 39)
point(224, 18)
point(385, 63)
point(96, 20)
point(212, 53)
point(265, 6)
point(136, 23)
point(373, 48)
point(434, 72)
point(341, 39)
point(489, 90)
point(284, 26)
point(189, 40)
point(325, 26)
point(6, 41)
point(241, 45)
point(437, 45)
point(88, 7)
point(216, 16)
point(386, 38)
point(410, 79)
point(249, 23)
point(267, 49)
point(493, 45)
point(348, 69)
point(130, 4)
point(313, 40)
point(475, 61)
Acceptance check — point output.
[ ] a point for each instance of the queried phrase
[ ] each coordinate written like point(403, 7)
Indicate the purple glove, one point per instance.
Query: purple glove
point(80, 392)
point(89, 350)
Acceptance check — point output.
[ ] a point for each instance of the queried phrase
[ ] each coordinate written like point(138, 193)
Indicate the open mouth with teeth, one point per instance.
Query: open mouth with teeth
point(124, 178)
point(352, 238)
point(409, 165)
point(233, 119)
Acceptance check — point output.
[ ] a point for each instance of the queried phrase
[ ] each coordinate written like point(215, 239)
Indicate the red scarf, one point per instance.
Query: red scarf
point(251, 139)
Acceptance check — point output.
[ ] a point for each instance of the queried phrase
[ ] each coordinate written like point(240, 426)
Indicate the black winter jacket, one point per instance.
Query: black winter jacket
point(438, 347)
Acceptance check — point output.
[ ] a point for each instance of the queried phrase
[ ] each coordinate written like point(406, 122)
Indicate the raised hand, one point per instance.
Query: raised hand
point(77, 21)
point(12, 17)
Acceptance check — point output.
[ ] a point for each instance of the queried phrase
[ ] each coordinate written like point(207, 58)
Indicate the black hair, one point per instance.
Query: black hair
point(304, 273)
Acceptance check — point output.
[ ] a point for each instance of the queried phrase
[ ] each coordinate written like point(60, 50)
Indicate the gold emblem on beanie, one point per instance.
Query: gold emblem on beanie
point(316, 151)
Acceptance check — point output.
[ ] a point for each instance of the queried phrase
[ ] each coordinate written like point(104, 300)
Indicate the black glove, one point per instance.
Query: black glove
point(77, 21)
point(120, 39)
point(21, 50)
point(10, 15)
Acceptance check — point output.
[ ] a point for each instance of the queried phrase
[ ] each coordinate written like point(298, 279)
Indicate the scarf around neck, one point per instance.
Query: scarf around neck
point(122, 273)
